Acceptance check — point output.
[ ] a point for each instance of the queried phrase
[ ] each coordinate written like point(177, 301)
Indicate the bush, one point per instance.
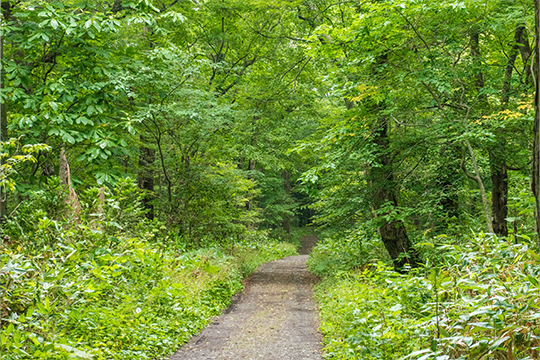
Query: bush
point(342, 252)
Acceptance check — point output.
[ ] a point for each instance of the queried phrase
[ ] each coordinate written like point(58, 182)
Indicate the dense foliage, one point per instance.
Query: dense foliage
point(113, 287)
point(470, 301)
point(152, 147)
point(197, 101)
point(429, 151)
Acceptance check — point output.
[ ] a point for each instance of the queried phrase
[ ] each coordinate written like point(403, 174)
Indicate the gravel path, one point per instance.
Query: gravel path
point(275, 318)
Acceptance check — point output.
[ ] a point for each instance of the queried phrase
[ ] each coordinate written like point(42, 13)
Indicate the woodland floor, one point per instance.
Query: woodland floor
point(274, 318)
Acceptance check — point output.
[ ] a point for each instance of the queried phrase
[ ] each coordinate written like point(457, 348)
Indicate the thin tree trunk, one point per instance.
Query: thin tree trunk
point(499, 173)
point(499, 191)
point(251, 162)
point(146, 177)
point(536, 131)
point(475, 53)
point(287, 218)
point(478, 179)
point(6, 12)
point(526, 53)
point(447, 177)
point(251, 167)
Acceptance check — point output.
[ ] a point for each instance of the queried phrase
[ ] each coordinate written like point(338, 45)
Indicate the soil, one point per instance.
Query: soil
point(274, 318)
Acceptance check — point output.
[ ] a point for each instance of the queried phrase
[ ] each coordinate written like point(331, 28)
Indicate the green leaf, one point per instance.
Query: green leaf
point(498, 342)
point(532, 280)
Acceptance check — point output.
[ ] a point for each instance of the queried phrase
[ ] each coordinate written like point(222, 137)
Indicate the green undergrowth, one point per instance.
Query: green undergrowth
point(477, 299)
point(108, 283)
point(92, 298)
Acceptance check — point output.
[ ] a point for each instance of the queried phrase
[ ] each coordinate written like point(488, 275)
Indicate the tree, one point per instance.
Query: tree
point(435, 94)
point(536, 132)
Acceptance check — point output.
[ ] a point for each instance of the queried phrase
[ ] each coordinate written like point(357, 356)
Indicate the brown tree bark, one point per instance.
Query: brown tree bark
point(447, 178)
point(251, 162)
point(499, 191)
point(475, 53)
point(381, 177)
point(478, 178)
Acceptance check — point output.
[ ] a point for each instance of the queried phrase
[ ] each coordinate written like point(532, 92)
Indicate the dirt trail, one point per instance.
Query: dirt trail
point(274, 318)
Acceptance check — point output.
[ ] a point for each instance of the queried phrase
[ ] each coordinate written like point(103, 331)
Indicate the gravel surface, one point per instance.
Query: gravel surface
point(275, 317)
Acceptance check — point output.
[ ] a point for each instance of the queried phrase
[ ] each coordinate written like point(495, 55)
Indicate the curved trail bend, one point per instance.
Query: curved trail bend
point(274, 318)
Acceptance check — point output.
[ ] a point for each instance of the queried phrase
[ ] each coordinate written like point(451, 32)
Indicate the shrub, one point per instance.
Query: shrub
point(479, 300)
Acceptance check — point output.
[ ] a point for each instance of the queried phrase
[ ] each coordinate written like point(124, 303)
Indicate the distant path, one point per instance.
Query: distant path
point(275, 318)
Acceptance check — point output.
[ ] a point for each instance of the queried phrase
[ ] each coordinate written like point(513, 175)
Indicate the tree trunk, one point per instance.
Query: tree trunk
point(526, 53)
point(447, 178)
point(146, 177)
point(498, 166)
point(497, 154)
point(475, 53)
point(393, 233)
point(287, 218)
point(499, 191)
point(251, 162)
point(6, 12)
point(476, 177)
point(381, 177)
point(251, 168)
point(536, 131)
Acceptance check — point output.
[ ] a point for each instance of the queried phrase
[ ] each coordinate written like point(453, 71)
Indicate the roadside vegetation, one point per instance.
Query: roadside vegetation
point(113, 285)
point(476, 298)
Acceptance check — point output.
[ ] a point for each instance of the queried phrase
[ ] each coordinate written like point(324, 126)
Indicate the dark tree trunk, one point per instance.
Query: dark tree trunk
point(251, 167)
point(497, 154)
point(146, 177)
point(507, 83)
point(287, 218)
point(475, 52)
point(381, 177)
point(251, 162)
point(536, 132)
point(447, 179)
point(499, 192)
point(393, 233)
point(526, 53)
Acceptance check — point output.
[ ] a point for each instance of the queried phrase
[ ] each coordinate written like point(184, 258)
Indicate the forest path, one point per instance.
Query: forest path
point(274, 318)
